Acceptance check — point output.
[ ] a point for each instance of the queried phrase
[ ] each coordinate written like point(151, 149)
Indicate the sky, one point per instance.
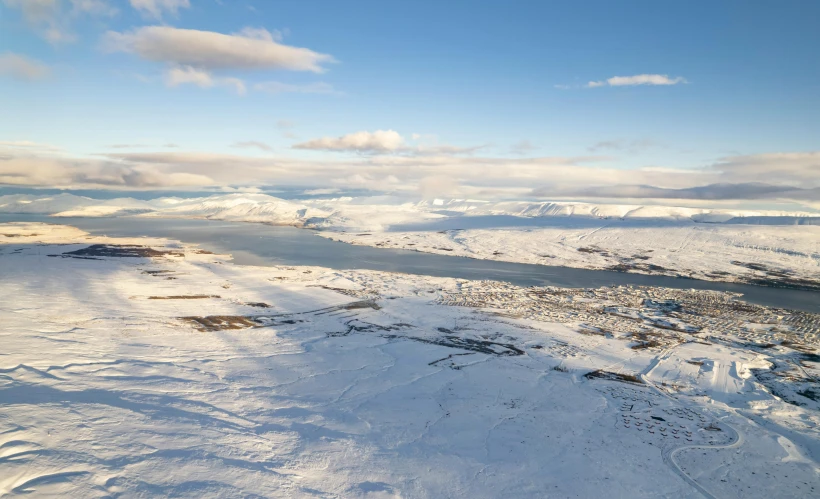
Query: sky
point(689, 103)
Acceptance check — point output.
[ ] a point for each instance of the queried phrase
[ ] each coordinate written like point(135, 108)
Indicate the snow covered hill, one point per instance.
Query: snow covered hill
point(373, 213)
point(605, 211)
point(236, 207)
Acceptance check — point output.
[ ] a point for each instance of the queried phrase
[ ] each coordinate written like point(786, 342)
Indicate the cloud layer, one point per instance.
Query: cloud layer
point(775, 177)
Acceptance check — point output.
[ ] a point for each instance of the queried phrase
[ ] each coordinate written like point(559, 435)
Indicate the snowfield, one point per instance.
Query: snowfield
point(149, 368)
point(786, 256)
point(769, 248)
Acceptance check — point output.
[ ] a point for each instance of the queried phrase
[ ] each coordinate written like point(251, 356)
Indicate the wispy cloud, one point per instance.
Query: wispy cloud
point(23, 68)
point(275, 87)
point(168, 145)
point(642, 79)
point(53, 22)
point(100, 8)
point(156, 9)
point(253, 144)
point(523, 147)
point(629, 146)
point(187, 75)
point(28, 145)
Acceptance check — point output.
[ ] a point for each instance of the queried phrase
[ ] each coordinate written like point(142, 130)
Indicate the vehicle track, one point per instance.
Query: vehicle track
point(668, 455)
point(669, 458)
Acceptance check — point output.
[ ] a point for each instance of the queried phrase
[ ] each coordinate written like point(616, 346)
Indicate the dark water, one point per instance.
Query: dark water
point(258, 244)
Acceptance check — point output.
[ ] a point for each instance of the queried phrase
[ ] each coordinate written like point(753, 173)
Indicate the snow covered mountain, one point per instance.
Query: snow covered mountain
point(235, 207)
point(377, 213)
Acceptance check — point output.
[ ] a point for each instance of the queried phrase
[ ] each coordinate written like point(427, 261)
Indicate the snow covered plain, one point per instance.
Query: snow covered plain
point(143, 367)
point(708, 244)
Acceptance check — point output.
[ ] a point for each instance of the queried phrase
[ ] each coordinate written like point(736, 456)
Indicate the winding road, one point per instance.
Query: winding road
point(668, 454)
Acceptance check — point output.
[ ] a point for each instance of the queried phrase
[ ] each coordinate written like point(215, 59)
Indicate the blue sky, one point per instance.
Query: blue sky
point(492, 81)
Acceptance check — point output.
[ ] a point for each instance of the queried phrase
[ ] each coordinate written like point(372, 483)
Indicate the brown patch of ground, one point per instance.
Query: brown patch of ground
point(219, 322)
point(362, 304)
point(158, 272)
point(645, 340)
point(607, 375)
point(594, 331)
point(776, 277)
point(594, 249)
point(119, 251)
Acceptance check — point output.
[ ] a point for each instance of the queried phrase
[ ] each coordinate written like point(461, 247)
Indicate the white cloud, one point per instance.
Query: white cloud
point(642, 79)
point(261, 34)
point(383, 141)
point(208, 50)
point(23, 68)
point(187, 75)
point(181, 75)
point(275, 87)
point(157, 8)
point(378, 141)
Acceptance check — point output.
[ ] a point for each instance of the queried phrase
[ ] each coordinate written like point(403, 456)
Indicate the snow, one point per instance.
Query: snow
point(707, 244)
point(700, 251)
point(137, 377)
point(237, 207)
point(337, 213)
